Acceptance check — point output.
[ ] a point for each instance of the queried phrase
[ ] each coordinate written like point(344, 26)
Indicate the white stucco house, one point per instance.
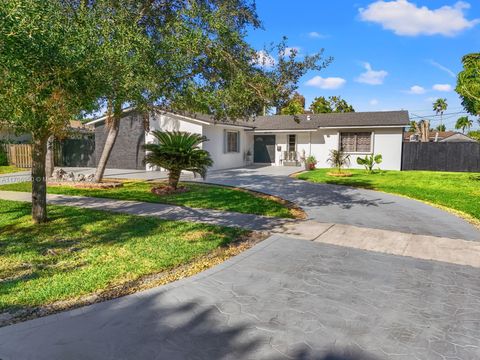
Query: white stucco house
point(277, 140)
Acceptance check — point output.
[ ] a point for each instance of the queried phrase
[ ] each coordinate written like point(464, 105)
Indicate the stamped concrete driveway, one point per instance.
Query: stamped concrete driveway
point(288, 298)
point(351, 206)
point(283, 299)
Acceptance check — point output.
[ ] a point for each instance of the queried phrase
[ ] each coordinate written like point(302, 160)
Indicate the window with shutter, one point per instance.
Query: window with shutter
point(360, 142)
point(233, 144)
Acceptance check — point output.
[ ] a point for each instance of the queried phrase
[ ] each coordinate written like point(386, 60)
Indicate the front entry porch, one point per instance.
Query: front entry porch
point(268, 150)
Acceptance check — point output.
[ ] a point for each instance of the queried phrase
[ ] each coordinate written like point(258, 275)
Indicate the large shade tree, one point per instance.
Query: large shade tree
point(191, 56)
point(47, 75)
point(295, 106)
point(468, 83)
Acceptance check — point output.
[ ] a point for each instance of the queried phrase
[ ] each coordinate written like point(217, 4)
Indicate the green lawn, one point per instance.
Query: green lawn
point(10, 169)
point(85, 251)
point(458, 191)
point(199, 196)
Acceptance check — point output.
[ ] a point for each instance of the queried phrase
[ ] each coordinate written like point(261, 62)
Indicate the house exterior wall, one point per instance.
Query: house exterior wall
point(127, 153)
point(216, 147)
point(214, 133)
point(386, 141)
point(165, 122)
point(9, 136)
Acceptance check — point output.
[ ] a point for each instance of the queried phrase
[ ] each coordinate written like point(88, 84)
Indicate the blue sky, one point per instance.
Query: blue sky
point(388, 55)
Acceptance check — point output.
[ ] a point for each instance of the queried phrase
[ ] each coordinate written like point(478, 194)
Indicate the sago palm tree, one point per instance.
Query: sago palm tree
point(463, 123)
point(176, 151)
point(440, 106)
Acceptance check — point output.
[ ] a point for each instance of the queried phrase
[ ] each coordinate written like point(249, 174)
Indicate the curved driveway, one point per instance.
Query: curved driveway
point(350, 206)
point(286, 298)
point(282, 299)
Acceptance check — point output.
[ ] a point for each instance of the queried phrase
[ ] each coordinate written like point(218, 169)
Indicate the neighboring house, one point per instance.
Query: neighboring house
point(9, 136)
point(279, 140)
point(457, 137)
point(439, 136)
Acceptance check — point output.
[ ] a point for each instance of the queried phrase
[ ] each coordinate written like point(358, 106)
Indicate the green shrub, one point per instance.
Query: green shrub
point(370, 161)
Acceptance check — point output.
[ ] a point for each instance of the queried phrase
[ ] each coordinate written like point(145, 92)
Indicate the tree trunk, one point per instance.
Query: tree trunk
point(107, 149)
point(173, 178)
point(39, 185)
point(50, 158)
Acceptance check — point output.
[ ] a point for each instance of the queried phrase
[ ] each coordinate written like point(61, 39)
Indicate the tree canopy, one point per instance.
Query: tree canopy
point(334, 104)
point(64, 58)
point(48, 75)
point(295, 106)
point(468, 83)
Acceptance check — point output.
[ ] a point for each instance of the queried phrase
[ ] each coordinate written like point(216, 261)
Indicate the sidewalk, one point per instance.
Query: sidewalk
point(443, 249)
point(163, 211)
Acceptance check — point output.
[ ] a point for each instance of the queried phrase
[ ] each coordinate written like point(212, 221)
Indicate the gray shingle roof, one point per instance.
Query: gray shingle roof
point(310, 121)
point(314, 121)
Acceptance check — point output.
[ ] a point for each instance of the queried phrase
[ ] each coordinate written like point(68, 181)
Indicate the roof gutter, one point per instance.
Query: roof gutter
point(283, 131)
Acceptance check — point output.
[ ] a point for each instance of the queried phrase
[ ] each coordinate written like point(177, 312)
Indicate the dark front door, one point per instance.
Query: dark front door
point(264, 149)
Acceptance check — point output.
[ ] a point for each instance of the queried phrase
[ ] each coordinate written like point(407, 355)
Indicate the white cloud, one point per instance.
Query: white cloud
point(443, 68)
point(442, 87)
point(264, 59)
point(326, 83)
point(316, 35)
point(374, 102)
point(417, 90)
point(371, 77)
point(288, 51)
point(406, 18)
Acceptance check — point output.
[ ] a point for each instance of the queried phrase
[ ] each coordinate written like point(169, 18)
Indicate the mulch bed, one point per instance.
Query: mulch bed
point(340, 174)
point(168, 190)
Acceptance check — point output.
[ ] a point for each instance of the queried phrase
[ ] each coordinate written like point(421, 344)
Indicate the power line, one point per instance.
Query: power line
point(416, 116)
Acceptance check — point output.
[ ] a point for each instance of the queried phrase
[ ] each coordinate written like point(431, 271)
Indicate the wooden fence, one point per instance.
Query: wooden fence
point(69, 152)
point(441, 156)
point(19, 155)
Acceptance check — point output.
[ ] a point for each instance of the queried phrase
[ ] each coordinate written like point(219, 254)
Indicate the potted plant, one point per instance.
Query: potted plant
point(248, 156)
point(310, 162)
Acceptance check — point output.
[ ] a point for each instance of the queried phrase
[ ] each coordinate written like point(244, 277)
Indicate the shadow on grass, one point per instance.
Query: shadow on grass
point(77, 238)
point(362, 183)
point(168, 324)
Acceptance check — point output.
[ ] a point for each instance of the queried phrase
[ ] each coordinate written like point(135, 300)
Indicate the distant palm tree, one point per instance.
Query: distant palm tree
point(441, 127)
point(440, 106)
point(177, 151)
point(413, 126)
point(463, 123)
